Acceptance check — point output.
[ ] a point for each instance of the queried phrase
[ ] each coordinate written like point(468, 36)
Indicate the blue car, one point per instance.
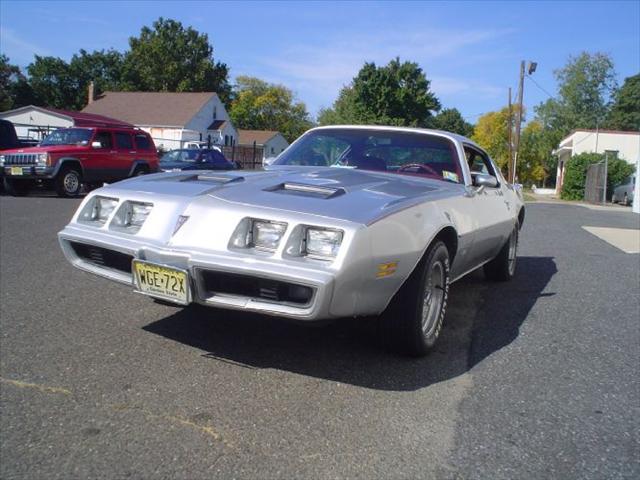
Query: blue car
point(195, 159)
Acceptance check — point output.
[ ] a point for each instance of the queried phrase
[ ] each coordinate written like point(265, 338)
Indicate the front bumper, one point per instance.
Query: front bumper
point(199, 264)
point(28, 172)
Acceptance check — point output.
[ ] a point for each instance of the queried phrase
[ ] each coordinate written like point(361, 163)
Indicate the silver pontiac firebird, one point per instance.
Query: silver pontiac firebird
point(348, 221)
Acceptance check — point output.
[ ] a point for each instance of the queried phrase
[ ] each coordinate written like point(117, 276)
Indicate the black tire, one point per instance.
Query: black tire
point(404, 328)
point(625, 200)
point(139, 170)
point(503, 267)
point(15, 187)
point(68, 182)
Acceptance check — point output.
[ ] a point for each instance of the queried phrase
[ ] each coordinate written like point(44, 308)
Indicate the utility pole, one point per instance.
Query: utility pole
point(510, 175)
point(518, 121)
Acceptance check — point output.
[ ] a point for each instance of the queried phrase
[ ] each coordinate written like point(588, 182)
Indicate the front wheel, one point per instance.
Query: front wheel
point(413, 321)
point(68, 182)
point(503, 267)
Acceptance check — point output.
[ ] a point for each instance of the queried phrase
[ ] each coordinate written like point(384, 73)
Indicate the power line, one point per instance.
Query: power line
point(540, 87)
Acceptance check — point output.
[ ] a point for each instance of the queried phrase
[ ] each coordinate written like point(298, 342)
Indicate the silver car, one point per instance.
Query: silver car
point(623, 193)
point(349, 221)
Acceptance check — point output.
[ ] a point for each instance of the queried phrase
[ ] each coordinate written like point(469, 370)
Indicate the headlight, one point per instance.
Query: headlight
point(98, 210)
point(42, 158)
point(1, 160)
point(322, 242)
point(131, 216)
point(266, 235)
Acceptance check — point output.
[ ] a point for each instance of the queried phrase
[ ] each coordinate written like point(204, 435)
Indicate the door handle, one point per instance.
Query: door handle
point(132, 151)
point(113, 151)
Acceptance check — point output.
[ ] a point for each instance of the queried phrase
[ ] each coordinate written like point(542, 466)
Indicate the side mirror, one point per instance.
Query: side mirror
point(96, 145)
point(484, 180)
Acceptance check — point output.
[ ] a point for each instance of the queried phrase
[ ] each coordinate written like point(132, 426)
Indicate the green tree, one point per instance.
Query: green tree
point(451, 120)
point(169, 57)
point(15, 90)
point(625, 113)
point(586, 85)
point(576, 174)
point(102, 67)
point(395, 94)
point(492, 133)
point(536, 163)
point(53, 83)
point(264, 106)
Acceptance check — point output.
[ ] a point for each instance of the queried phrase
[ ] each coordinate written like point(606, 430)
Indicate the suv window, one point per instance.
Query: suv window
point(123, 140)
point(142, 142)
point(104, 138)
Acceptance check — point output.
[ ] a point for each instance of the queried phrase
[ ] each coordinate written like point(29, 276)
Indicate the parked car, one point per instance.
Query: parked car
point(349, 221)
point(623, 193)
point(195, 159)
point(69, 157)
point(200, 144)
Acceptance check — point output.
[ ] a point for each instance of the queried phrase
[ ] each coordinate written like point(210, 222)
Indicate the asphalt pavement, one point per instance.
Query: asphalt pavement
point(535, 378)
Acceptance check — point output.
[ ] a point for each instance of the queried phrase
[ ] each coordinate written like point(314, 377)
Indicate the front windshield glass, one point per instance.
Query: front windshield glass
point(408, 153)
point(183, 156)
point(68, 136)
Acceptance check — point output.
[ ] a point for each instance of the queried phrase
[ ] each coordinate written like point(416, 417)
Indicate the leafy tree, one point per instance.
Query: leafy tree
point(576, 174)
point(171, 58)
point(395, 94)
point(263, 106)
point(585, 87)
point(536, 163)
point(625, 113)
point(15, 90)
point(451, 120)
point(53, 83)
point(102, 67)
point(492, 133)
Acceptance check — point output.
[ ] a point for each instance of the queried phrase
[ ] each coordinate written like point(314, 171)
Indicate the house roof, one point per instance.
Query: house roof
point(585, 130)
point(167, 109)
point(79, 119)
point(260, 137)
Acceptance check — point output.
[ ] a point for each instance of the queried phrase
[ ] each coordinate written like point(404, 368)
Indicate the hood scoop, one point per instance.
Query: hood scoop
point(306, 190)
point(207, 177)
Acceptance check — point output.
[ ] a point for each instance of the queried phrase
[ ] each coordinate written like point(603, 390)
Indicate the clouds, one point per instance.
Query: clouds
point(22, 51)
point(317, 70)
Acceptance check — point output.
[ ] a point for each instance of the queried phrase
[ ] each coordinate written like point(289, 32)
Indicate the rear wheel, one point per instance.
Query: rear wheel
point(16, 187)
point(140, 171)
point(503, 267)
point(412, 322)
point(68, 182)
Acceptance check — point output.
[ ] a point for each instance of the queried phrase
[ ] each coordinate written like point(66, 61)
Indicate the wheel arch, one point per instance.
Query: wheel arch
point(139, 163)
point(68, 162)
point(521, 217)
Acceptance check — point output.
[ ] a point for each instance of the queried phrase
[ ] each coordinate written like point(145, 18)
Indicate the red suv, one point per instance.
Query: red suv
point(69, 157)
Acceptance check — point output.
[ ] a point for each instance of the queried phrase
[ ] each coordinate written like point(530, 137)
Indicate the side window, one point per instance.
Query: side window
point(479, 162)
point(104, 138)
point(123, 141)
point(142, 142)
point(216, 157)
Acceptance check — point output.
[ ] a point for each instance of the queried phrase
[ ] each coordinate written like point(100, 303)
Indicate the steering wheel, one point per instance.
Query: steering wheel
point(422, 168)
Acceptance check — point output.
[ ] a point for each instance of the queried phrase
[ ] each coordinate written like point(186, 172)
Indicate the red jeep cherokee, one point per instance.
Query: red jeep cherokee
point(69, 157)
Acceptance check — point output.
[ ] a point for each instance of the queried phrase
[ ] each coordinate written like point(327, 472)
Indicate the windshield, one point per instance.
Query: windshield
point(68, 136)
point(183, 156)
point(407, 153)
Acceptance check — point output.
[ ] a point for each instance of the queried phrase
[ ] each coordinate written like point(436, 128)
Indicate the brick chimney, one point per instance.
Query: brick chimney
point(91, 94)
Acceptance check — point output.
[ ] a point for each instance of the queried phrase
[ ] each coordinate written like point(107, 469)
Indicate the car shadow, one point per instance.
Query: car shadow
point(483, 318)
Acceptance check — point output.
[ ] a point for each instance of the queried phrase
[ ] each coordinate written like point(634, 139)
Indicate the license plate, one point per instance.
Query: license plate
point(163, 282)
point(16, 170)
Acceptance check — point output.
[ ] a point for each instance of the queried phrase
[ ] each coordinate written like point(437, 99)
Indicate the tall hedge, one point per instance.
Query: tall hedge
point(576, 174)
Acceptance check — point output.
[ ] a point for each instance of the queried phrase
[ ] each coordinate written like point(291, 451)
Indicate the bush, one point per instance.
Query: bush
point(576, 174)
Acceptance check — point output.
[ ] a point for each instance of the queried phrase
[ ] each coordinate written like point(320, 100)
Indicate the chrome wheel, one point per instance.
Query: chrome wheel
point(71, 182)
point(513, 251)
point(434, 287)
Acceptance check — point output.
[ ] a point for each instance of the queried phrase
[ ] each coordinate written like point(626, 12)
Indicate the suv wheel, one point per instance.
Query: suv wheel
point(139, 171)
point(17, 188)
point(68, 182)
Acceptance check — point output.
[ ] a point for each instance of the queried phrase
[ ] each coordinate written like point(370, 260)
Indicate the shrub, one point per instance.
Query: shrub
point(576, 174)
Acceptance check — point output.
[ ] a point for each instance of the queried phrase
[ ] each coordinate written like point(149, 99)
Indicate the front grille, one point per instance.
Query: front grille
point(103, 257)
point(20, 159)
point(255, 287)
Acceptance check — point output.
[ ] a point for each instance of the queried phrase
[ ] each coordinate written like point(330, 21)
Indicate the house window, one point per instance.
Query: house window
point(215, 112)
point(611, 153)
point(226, 139)
point(273, 150)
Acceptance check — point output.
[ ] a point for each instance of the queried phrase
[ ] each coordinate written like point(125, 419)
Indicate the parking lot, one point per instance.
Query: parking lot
point(536, 378)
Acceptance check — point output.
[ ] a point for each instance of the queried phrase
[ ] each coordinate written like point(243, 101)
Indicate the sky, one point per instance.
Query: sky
point(470, 51)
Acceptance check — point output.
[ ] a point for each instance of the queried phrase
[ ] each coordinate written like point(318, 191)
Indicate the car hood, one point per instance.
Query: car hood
point(193, 166)
point(342, 193)
point(47, 149)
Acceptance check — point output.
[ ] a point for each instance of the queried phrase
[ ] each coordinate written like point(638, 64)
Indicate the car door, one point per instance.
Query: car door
point(214, 160)
point(96, 168)
point(494, 215)
point(125, 154)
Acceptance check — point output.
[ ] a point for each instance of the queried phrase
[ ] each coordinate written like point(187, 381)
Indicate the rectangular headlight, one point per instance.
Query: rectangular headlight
point(266, 235)
point(131, 216)
point(42, 158)
point(98, 210)
point(322, 242)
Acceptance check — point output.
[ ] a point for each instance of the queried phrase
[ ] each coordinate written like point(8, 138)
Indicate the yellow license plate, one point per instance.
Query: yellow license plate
point(163, 282)
point(16, 170)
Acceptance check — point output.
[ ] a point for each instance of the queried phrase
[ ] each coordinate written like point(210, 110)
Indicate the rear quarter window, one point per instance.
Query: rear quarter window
point(123, 140)
point(142, 142)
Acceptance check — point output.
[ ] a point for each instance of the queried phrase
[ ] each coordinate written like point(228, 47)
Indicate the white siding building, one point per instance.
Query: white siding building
point(271, 142)
point(625, 145)
point(172, 119)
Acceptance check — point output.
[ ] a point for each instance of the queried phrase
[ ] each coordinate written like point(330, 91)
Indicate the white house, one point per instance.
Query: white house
point(171, 118)
point(35, 123)
point(624, 145)
point(271, 142)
